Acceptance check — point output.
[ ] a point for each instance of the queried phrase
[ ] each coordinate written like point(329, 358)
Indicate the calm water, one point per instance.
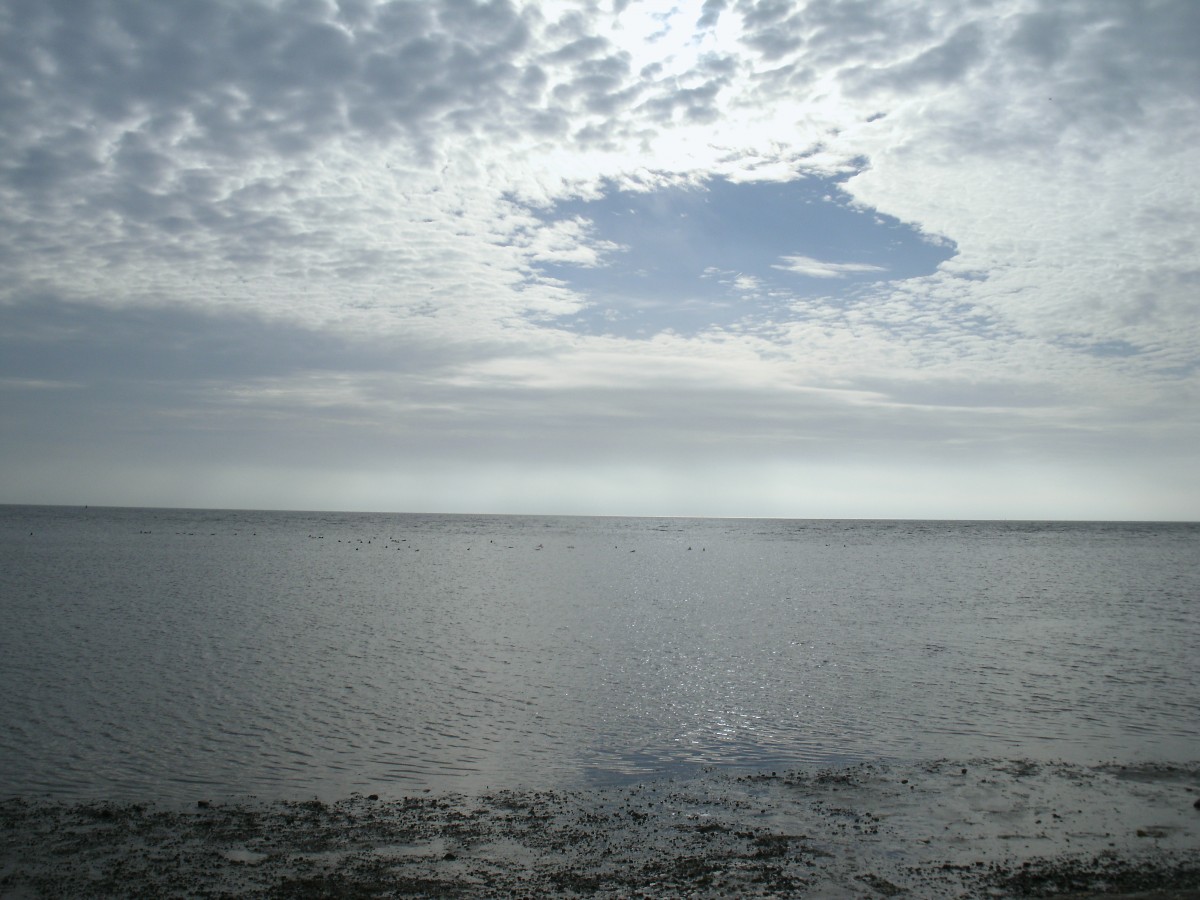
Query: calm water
point(172, 654)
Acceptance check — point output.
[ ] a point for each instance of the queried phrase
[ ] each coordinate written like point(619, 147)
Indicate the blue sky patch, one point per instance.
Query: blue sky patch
point(1114, 348)
point(725, 254)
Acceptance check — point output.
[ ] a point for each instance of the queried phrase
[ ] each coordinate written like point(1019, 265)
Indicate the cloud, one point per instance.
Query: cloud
point(815, 268)
point(711, 13)
point(410, 220)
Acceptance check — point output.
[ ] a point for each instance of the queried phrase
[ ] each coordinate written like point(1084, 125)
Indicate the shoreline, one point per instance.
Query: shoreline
point(975, 828)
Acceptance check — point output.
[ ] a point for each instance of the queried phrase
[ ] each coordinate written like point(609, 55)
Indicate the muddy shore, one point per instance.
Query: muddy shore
point(980, 828)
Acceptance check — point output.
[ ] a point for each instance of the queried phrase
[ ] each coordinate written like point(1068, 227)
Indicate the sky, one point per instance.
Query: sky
point(836, 258)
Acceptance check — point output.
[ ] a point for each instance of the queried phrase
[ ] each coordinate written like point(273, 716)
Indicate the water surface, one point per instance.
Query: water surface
point(174, 653)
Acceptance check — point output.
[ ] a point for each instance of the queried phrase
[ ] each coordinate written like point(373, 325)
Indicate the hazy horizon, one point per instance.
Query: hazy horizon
point(533, 514)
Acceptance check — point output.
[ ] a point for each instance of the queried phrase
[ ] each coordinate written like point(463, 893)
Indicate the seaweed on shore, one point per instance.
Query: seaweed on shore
point(1100, 874)
point(981, 829)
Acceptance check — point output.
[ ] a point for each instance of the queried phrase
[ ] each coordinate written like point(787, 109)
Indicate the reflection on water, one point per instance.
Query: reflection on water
point(170, 653)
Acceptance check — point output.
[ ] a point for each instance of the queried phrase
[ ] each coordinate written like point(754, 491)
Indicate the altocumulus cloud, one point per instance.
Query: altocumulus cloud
point(780, 258)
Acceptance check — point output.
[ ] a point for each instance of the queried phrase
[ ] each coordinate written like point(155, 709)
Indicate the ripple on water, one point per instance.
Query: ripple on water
point(242, 653)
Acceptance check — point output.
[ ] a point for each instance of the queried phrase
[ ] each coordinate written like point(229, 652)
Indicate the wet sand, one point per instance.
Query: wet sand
point(946, 829)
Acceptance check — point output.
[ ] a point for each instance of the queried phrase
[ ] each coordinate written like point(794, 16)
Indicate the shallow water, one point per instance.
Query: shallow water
point(173, 653)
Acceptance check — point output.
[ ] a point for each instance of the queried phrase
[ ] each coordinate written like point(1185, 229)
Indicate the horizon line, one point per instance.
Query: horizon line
point(584, 515)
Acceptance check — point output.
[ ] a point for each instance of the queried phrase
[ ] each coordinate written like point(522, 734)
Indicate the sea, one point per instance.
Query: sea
point(171, 654)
